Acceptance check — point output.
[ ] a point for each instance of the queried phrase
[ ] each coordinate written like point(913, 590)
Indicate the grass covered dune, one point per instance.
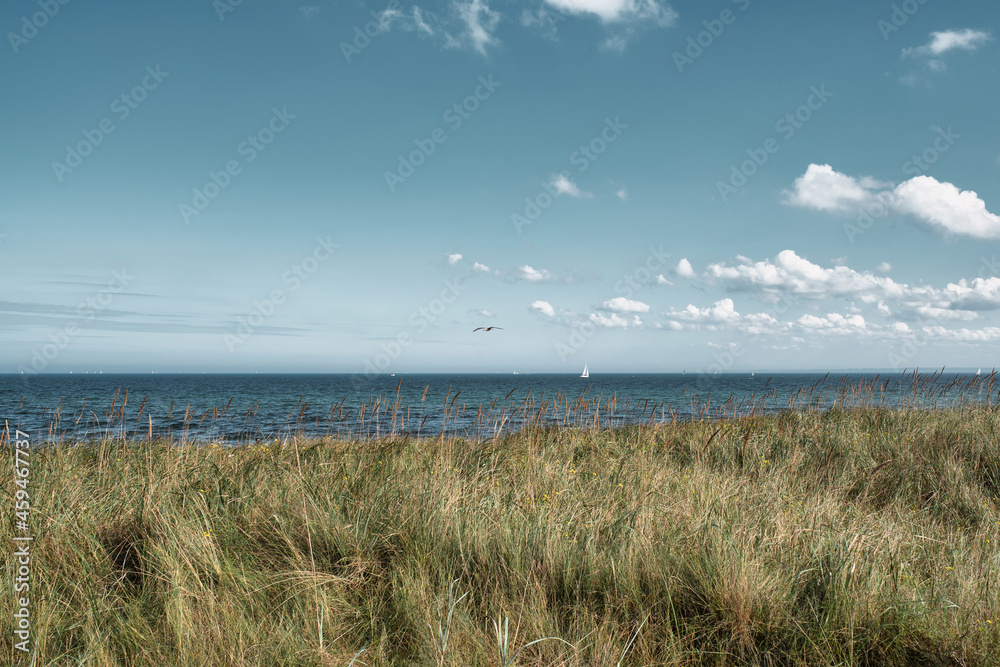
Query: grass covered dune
point(864, 537)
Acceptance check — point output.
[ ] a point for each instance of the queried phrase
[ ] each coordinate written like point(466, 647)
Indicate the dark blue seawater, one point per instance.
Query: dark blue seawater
point(244, 408)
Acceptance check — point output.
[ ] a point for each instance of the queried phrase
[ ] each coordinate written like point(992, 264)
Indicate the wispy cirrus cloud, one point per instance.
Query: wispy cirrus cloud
point(543, 19)
point(480, 23)
point(932, 54)
point(465, 24)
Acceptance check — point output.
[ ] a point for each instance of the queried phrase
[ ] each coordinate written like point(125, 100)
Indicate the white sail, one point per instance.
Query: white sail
point(586, 372)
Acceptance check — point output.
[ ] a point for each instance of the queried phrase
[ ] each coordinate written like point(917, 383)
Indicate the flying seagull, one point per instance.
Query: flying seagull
point(486, 329)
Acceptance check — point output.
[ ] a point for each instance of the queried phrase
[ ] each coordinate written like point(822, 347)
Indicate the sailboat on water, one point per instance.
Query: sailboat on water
point(586, 372)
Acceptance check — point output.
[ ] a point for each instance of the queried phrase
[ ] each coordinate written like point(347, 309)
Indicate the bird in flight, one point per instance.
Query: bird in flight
point(486, 329)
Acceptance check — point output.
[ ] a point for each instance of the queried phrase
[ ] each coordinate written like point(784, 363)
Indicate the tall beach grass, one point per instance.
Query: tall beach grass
point(862, 536)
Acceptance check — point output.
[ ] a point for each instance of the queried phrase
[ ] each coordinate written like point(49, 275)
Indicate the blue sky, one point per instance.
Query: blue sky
point(632, 184)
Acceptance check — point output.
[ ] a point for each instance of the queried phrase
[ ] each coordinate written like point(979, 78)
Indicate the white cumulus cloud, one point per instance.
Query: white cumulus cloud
point(824, 189)
point(543, 307)
point(565, 186)
point(943, 206)
point(622, 305)
point(615, 321)
point(940, 205)
point(833, 321)
point(533, 275)
point(720, 311)
point(788, 274)
point(949, 40)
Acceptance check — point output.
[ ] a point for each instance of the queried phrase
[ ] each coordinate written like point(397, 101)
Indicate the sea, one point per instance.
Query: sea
point(236, 409)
